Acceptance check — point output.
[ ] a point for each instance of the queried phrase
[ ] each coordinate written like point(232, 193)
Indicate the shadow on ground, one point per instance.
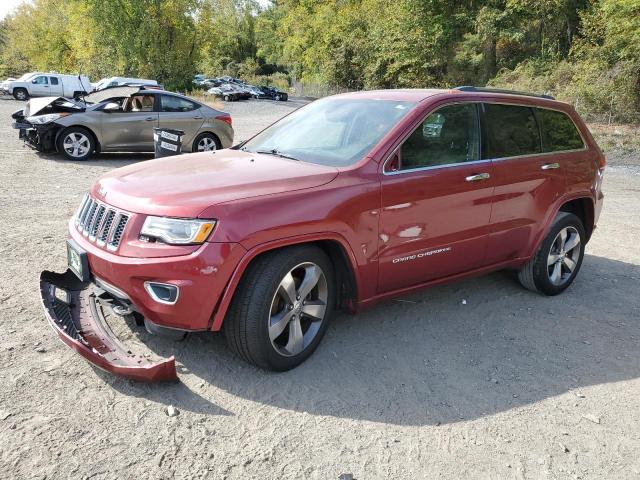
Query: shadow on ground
point(426, 358)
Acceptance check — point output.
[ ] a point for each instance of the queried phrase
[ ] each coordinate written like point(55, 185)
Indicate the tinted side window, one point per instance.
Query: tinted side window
point(177, 104)
point(558, 131)
point(53, 80)
point(448, 135)
point(511, 130)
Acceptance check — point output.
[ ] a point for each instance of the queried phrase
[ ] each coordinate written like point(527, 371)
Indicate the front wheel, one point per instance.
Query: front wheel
point(20, 94)
point(76, 143)
point(556, 263)
point(282, 308)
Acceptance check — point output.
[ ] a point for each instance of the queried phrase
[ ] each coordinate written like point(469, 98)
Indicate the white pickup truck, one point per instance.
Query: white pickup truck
point(49, 85)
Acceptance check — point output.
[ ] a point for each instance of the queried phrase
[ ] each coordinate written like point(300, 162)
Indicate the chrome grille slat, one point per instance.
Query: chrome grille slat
point(106, 227)
point(90, 213)
point(118, 230)
point(101, 223)
point(95, 223)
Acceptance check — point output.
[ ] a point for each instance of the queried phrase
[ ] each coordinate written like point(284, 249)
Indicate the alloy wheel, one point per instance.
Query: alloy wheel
point(563, 256)
point(206, 144)
point(298, 309)
point(76, 144)
point(21, 95)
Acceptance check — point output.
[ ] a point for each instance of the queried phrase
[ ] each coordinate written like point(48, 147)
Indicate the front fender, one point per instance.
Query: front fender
point(225, 300)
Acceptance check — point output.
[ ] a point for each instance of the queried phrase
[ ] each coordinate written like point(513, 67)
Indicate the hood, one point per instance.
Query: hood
point(184, 186)
point(42, 105)
point(112, 92)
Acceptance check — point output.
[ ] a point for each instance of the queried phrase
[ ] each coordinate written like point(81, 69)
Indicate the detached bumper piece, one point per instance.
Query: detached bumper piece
point(75, 313)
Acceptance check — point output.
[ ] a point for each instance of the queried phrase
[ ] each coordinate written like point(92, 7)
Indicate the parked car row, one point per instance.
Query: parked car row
point(41, 84)
point(231, 89)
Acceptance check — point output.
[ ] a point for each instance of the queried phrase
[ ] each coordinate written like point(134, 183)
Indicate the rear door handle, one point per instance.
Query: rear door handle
point(550, 166)
point(197, 118)
point(477, 177)
point(149, 119)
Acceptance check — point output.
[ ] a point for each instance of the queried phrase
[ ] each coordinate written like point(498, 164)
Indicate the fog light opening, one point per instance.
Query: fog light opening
point(162, 292)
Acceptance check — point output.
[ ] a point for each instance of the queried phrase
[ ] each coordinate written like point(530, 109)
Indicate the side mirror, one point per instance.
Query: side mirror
point(34, 81)
point(111, 107)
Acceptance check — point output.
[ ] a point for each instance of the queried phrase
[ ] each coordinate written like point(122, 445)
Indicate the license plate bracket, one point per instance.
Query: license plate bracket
point(77, 261)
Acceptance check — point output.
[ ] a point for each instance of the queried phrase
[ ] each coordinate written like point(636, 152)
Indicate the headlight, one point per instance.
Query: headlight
point(42, 119)
point(177, 230)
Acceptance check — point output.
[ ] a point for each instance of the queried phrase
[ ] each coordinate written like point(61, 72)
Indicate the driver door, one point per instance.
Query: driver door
point(131, 127)
point(40, 86)
point(436, 201)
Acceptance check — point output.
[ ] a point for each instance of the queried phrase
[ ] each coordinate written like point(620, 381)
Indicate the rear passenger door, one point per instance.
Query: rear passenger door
point(181, 114)
point(436, 201)
point(55, 86)
point(527, 180)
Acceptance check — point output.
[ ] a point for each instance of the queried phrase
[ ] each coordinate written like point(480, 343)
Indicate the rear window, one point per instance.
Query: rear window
point(512, 131)
point(558, 131)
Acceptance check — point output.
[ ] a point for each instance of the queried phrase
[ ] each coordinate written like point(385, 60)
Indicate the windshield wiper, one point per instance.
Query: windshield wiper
point(277, 153)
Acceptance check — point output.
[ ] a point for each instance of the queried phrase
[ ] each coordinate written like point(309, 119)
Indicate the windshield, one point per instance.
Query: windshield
point(332, 131)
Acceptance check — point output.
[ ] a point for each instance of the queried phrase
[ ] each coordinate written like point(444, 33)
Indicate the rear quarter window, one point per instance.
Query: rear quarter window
point(512, 131)
point(559, 133)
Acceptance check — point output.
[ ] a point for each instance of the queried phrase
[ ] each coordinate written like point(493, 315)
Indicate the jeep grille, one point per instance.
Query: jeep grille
point(101, 223)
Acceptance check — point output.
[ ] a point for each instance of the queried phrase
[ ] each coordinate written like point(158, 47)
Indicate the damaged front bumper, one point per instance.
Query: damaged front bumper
point(75, 312)
point(39, 137)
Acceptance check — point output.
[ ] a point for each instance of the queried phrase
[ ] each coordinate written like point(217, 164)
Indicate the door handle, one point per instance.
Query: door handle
point(197, 118)
point(477, 177)
point(149, 119)
point(550, 166)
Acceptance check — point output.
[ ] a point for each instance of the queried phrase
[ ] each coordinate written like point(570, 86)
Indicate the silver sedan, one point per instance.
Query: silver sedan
point(120, 120)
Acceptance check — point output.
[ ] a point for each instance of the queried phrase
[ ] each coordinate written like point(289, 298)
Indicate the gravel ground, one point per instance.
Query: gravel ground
point(509, 385)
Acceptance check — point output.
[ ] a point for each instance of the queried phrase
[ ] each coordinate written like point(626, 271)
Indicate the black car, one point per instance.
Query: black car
point(274, 93)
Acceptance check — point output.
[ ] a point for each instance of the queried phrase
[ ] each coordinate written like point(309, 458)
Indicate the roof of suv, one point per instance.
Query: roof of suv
point(420, 94)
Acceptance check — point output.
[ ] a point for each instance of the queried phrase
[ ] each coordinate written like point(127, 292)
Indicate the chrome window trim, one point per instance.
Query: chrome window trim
point(434, 167)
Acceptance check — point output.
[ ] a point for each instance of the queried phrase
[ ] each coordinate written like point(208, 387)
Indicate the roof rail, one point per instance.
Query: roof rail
point(467, 88)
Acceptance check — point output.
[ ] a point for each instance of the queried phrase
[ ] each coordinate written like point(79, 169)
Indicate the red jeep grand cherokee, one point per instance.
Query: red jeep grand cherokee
point(348, 200)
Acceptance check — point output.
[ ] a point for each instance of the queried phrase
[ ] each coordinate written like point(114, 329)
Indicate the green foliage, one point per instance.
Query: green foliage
point(584, 51)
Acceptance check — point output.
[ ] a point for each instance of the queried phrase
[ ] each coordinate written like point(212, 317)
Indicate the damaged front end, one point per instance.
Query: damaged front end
point(75, 310)
point(36, 123)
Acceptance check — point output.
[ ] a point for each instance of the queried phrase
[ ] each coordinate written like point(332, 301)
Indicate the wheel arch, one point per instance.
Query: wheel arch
point(210, 131)
point(581, 204)
point(336, 248)
point(64, 128)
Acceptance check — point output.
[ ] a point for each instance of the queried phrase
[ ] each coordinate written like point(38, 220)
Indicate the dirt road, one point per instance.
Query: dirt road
point(509, 385)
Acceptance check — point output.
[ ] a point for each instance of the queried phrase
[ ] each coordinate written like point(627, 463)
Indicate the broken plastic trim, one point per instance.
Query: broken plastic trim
point(76, 315)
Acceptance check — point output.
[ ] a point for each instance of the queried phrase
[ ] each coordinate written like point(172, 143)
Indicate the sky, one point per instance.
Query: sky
point(7, 6)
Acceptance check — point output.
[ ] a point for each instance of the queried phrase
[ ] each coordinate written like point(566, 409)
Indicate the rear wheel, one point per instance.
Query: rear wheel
point(76, 143)
point(226, 98)
point(205, 142)
point(20, 94)
point(282, 308)
point(556, 264)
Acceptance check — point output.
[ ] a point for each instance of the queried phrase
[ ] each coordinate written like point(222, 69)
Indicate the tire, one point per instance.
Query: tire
point(251, 327)
point(226, 98)
point(202, 143)
point(21, 94)
point(557, 262)
point(76, 143)
point(277, 98)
